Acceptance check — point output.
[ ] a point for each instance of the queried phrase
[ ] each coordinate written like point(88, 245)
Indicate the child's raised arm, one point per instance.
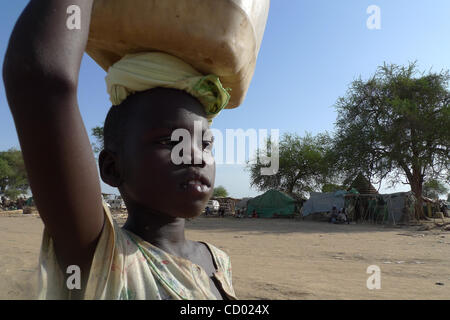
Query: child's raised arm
point(40, 72)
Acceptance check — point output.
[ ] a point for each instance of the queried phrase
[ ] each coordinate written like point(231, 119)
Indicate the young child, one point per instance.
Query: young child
point(149, 258)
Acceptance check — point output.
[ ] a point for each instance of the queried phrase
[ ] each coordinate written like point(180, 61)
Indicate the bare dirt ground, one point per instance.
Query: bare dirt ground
point(279, 259)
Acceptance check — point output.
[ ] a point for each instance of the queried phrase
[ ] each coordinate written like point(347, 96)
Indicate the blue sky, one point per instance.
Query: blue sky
point(311, 52)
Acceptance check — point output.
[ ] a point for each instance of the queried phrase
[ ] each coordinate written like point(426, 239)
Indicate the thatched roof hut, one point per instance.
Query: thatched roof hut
point(363, 185)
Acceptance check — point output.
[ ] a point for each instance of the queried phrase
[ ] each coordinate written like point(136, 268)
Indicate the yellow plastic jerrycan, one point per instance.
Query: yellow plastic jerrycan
point(222, 37)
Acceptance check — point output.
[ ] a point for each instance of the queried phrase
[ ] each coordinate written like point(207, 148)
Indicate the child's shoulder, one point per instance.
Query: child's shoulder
point(220, 256)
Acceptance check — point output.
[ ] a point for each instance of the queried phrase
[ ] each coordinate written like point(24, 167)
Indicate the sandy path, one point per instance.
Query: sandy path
point(285, 259)
point(19, 253)
point(280, 259)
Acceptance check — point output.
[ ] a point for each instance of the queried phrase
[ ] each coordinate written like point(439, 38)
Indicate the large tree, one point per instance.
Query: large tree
point(396, 125)
point(220, 192)
point(13, 176)
point(304, 165)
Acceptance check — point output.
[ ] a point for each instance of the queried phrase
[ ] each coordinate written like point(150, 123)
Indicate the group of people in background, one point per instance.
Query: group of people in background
point(7, 204)
point(221, 212)
point(241, 213)
point(338, 216)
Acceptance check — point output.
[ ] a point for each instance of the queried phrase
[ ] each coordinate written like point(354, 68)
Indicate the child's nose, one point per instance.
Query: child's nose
point(196, 155)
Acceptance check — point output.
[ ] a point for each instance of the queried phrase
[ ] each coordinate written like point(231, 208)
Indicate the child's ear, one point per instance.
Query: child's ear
point(109, 168)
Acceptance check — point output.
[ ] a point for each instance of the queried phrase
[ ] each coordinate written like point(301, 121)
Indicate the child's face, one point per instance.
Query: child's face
point(151, 180)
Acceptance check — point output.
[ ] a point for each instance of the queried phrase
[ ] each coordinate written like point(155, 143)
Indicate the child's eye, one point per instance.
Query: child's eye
point(168, 142)
point(207, 144)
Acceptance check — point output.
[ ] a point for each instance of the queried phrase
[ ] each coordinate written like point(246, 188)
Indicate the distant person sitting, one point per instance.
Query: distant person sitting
point(342, 217)
point(334, 215)
point(20, 203)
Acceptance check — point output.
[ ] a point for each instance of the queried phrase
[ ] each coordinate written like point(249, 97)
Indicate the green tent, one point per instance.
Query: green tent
point(29, 202)
point(270, 203)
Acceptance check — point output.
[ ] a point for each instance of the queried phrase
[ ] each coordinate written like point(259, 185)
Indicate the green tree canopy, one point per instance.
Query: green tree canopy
point(304, 165)
point(434, 188)
point(332, 187)
point(13, 176)
point(396, 125)
point(97, 132)
point(220, 191)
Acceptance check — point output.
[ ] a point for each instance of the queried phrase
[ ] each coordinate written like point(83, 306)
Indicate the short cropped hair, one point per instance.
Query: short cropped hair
point(116, 122)
point(114, 128)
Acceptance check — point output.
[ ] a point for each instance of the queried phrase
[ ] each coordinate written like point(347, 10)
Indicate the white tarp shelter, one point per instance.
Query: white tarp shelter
point(323, 202)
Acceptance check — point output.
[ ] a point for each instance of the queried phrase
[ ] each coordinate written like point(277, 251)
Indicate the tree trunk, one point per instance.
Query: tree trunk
point(416, 187)
point(290, 189)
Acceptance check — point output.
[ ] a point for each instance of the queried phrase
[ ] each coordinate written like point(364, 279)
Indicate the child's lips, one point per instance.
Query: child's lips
point(196, 178)
point(195, 186)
